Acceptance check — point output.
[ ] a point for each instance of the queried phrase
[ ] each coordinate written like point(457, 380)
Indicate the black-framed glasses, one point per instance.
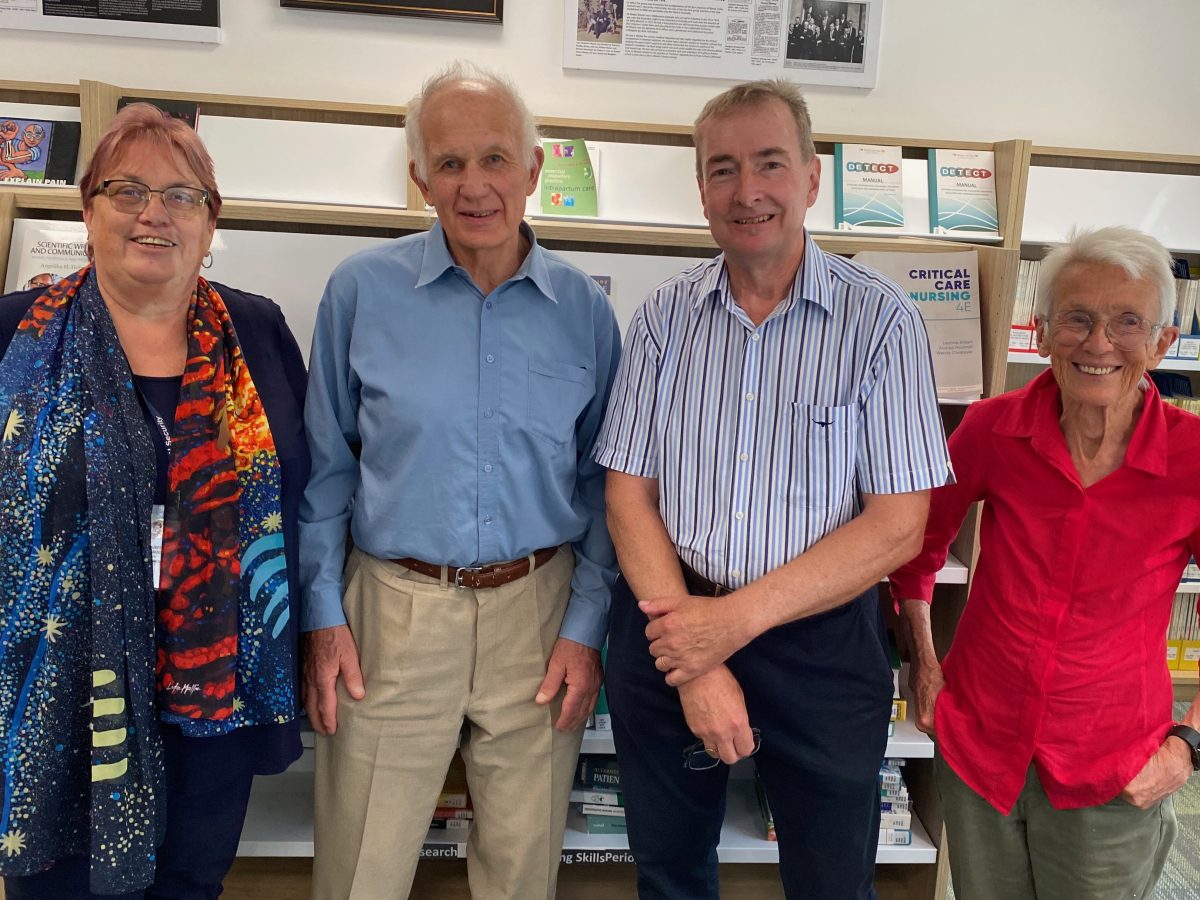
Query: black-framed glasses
point(180, 201)
point(1126, 331)
point(697, 758)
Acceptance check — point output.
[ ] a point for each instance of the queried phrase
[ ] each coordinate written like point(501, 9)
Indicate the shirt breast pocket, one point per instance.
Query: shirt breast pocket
point(558, 393)
point(822, 455)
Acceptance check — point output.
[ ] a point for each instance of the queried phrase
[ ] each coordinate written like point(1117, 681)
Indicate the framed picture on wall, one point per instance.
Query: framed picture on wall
point(463, 10)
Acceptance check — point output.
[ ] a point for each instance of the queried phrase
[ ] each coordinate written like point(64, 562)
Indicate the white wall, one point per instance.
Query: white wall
point(1109, 74)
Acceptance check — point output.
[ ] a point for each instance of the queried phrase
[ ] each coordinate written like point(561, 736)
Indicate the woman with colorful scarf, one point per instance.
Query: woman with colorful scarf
point(151, 464)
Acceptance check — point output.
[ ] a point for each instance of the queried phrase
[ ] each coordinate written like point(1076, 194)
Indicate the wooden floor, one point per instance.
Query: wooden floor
point(288, 879)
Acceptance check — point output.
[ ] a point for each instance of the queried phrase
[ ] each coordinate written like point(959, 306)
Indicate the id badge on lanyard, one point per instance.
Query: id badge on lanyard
point(158, 510)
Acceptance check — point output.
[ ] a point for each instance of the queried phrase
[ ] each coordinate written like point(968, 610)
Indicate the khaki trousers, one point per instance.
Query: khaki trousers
point(433, 658)
point(1114, 851)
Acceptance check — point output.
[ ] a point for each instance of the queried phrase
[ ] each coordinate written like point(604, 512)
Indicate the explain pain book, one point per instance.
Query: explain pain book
point(36, 152)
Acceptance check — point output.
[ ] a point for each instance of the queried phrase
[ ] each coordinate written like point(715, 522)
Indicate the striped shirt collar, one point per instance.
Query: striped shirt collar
point(812, 282)
point(436, 260)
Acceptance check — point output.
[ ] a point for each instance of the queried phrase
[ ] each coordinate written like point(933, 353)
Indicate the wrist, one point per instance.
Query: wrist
point(1190, 737)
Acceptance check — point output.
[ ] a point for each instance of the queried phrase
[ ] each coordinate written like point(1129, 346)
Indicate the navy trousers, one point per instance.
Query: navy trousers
point(820, 691)
point(205, 813)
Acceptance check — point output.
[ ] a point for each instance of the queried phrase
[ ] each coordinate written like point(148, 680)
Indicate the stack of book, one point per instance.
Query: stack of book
point(1183, 634)
point(1187, 293)
point(454, 812)
point(597, 794)
point(895, 812)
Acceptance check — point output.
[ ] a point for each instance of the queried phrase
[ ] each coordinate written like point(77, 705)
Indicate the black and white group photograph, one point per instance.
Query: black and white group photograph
point(827, 31)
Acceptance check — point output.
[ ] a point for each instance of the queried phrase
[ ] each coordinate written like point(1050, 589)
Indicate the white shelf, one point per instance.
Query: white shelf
point(1167, 365)
point(279, 823)
point(741, 837)
point(1189, 587)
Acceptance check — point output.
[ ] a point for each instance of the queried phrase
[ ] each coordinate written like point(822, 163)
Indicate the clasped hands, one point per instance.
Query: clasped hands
point(691, 635)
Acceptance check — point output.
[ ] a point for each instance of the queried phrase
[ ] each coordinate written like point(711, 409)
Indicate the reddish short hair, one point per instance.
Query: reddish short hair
point(143, 122)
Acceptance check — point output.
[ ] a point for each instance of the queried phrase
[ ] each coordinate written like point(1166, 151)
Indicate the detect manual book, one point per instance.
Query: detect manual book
point(867, 190)
point(962, 192)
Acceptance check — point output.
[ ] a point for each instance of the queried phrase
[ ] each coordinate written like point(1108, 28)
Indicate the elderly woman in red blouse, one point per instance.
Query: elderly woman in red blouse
point(1057, 753)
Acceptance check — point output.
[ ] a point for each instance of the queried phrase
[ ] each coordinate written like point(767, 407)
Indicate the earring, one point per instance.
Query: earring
point(207, 261)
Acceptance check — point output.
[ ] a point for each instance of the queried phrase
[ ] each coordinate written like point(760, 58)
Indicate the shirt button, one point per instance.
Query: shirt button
point(487, 520)
point(749, 396)
point(735, 573)
point(739, 515)
point(488, 304)
point(756, 336)
point(743, 456)
point(490, 358)
point(488, 413)
point(487, 467)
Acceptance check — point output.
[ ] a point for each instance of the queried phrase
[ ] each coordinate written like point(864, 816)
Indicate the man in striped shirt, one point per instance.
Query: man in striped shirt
point(771, 439)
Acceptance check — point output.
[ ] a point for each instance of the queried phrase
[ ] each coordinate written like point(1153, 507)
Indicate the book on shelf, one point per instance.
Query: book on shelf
point(454, 793)
point(1021, 336)
point(601, 809)
point(44, 252)
point(1187, 292)
point(37, 152)
point(1183, 633)
point(568, 179)
point(603, 716)
point(899, 709)
point(962, 192)
point(451, 826)
point(895, 837)
point(605, 825)
point(598, 771)
point(454, 812)
point(582, 794)
point(868, 189)
point(184, 110)
point(945, 289)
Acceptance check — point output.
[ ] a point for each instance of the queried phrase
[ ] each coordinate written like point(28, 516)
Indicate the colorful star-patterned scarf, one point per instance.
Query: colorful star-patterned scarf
point(83, 678)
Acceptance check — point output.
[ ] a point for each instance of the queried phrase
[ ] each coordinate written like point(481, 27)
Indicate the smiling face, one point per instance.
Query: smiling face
point(755, 185)
point(1094, 372)
point(477, 176)
point(147, 253)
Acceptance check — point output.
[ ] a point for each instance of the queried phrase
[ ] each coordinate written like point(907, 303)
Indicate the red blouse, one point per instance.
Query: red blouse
point(1060, 656)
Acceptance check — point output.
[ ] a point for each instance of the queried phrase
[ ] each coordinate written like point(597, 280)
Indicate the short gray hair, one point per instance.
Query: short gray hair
point(1137, 253)
point(756, 93)
point(462, 72)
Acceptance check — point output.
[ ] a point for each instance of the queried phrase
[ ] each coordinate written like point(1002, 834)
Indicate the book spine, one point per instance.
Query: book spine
point(839, 190)
point(934, 228)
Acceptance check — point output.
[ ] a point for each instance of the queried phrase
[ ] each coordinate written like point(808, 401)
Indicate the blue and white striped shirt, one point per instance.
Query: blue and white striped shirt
point(764, 438)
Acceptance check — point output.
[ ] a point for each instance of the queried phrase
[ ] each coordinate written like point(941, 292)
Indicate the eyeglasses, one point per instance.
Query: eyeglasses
point(1127, 331)
point(698, 759)
point(181, 202)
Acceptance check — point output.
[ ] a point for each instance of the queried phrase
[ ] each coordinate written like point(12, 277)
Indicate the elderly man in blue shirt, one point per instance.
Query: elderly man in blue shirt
point(458, 381)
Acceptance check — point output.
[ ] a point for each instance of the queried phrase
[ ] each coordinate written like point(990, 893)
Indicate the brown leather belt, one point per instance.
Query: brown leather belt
point(699, 585)
point(481, 577)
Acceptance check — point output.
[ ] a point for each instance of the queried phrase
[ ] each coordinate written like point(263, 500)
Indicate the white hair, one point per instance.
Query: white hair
point(1137, 253)
point(462, 72)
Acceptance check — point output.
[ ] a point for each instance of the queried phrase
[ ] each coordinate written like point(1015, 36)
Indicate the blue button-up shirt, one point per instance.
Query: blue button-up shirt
point(455, 427)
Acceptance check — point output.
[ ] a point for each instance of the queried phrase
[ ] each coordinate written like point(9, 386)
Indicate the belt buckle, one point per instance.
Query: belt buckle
point(458, 573)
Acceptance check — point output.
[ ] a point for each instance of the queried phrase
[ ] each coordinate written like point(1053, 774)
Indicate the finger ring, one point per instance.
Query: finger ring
point(712, 751)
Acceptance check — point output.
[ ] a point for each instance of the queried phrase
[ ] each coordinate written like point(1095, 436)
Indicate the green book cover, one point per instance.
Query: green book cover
point(568, 179)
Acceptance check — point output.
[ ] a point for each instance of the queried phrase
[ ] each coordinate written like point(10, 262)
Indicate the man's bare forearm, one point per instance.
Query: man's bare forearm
point(644, 549)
